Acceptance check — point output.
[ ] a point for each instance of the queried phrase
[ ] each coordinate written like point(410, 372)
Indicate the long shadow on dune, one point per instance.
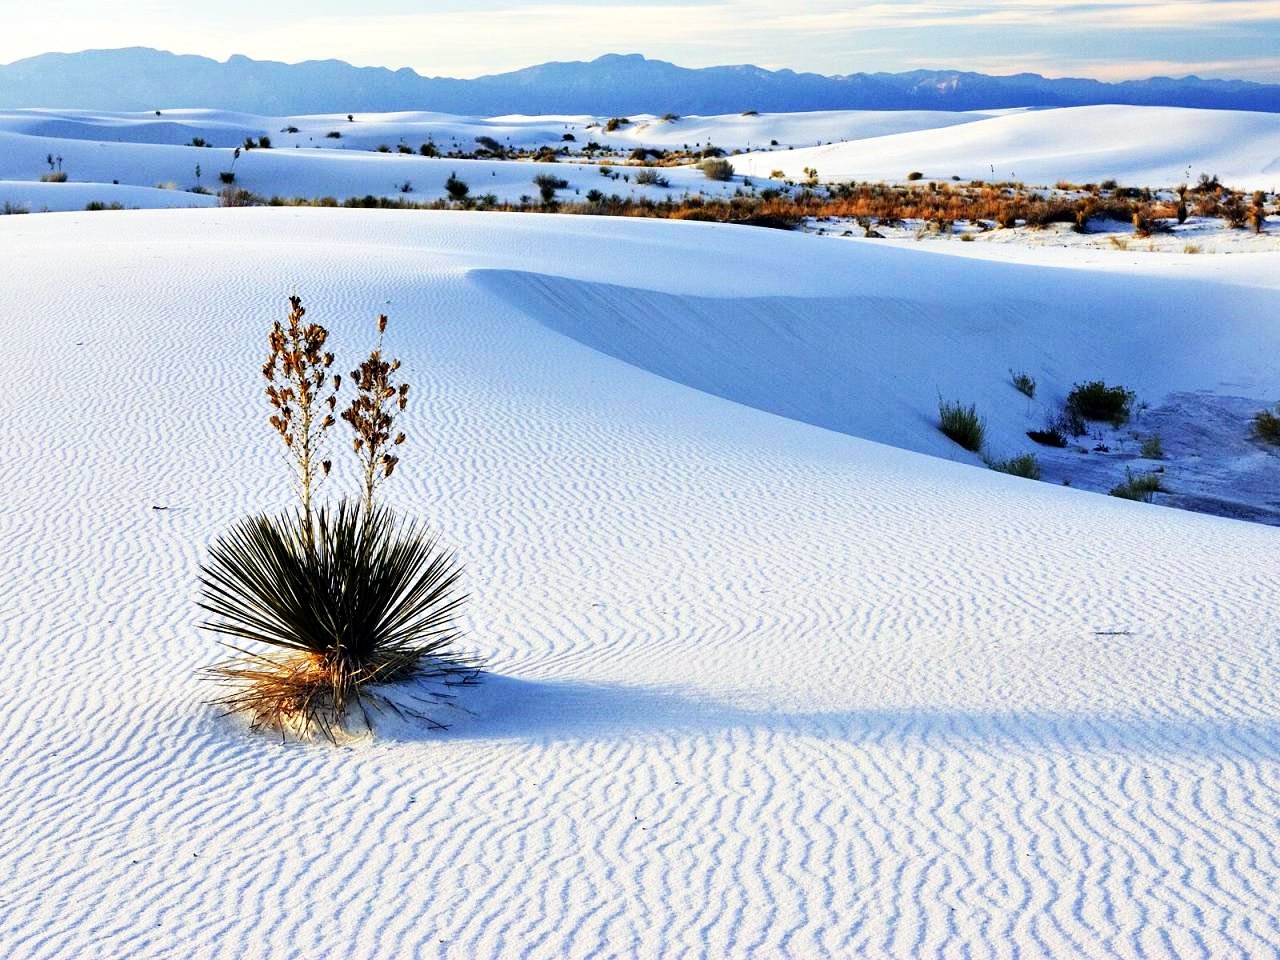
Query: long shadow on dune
point(507, 708)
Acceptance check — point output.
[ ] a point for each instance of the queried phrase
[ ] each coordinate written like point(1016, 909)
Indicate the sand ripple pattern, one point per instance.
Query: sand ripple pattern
point(762, 689)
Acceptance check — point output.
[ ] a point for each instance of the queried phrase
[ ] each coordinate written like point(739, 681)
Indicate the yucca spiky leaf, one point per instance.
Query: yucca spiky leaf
point(360, 598)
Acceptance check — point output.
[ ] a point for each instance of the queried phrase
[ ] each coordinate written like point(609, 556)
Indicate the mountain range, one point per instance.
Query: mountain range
point(140, 78)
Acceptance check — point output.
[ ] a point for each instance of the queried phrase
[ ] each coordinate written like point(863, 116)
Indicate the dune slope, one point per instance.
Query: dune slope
point(759, 688)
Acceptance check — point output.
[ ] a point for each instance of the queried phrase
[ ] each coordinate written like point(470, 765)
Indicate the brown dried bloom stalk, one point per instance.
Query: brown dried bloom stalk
point(372, 416)
point(297, 374)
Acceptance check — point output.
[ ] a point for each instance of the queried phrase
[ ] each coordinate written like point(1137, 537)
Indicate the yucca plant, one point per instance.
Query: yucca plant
point(360, 600)
point(347, 599)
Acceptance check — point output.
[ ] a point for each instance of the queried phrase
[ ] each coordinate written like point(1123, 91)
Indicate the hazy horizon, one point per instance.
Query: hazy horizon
point(1122, 39)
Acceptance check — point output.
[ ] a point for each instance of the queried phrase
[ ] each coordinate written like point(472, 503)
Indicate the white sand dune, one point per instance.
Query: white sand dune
point(1139, 146)
point(314, 173)
point(759, 688)
point(223, 128)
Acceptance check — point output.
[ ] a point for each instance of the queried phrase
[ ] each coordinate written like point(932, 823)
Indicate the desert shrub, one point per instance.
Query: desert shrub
point(348, 603)
point(11, 209)
point(456, 189)
point(1025, 465)
point(264, 142)
point(1153, 448)
point(1023, 382)
point(406, 187)
point(915, 175)
point(670, 117)
point(1138, 486)
point(962, 424)
point(651, 178)
point(428, 149)
point(334, 135)
point(568, 138)
point(1050, 436)
point(404, 148)
point(93, 206)
point(237, 197)
point(1266, 426)
point(347, 599)
point(548, 184)
point(714, 169)
point(383, 148)
point(613, 123)
point(1095, 400)
point(198, 142)
point(290, 129)
point(227, 176)
point(58, 176)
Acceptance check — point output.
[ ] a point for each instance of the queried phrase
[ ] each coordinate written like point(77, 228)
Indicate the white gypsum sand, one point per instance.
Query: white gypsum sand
point(759, 688)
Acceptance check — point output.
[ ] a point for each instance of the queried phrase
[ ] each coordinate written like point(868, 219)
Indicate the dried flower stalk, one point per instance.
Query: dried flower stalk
point(372, 416)
point(297, 374)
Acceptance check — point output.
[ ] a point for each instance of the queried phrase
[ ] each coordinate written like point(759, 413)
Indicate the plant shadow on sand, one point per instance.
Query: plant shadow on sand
point(505, 708)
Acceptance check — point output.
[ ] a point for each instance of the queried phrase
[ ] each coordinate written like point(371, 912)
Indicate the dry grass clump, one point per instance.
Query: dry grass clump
point(350, 598)
point(962, 424)
point(717, 169)
point(1142, 487)
point(1026, 466)
point(1024, 383)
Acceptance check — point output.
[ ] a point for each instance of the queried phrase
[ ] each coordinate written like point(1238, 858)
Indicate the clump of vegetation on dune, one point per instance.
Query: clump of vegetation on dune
point(1142, 487)
point(1026, 466)
point(1095, 400)
point(345, 600)
point(1266, 426)
point(962, 424)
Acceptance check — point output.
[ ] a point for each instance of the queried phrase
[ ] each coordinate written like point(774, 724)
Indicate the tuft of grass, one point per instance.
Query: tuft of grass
point(1095, 400)
point(1024, 383)
point(1192, 248)
point(93, 206)
point(347, 601)
point(962, 424)
point(1025, 465)
point(1142, 487)
point(651, 177)
point(714, 169)
point(1266, 426)
point(1153, 448)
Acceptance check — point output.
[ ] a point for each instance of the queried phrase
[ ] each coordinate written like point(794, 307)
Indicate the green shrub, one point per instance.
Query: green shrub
point(1023, 466)
point(548, 184)
point(1023, 382)
point(962, 424)
point(1097, 401)
point(717, 169)
point(456, 189)
point(1266, 426)
point(1138, 486)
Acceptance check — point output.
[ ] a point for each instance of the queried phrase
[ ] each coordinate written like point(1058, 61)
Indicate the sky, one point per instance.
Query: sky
point(1106, 39)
